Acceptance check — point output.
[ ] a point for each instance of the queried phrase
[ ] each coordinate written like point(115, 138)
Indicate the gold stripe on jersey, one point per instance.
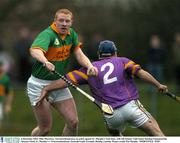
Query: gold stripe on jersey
point(128, 64)
point(58, 53)
point(71, 76)
point(134, 68)
point(2, 90)
point(81, 74)
point(78, 46)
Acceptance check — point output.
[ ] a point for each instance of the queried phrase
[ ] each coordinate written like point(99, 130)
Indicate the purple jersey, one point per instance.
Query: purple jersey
point(114, 84)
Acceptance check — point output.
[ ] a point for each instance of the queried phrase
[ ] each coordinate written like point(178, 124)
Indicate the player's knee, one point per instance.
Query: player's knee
point(73, 124)
point(157, 131)
point(151, 128)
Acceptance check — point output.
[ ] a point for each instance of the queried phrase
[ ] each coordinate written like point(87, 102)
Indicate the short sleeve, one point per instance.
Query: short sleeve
point(78, 76)
point(75, 40)
point(42, 41)
point(130, 66)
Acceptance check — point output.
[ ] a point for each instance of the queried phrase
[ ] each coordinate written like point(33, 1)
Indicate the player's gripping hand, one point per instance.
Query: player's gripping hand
point(162, 88)
point(92, 71)
point(42, 96)
point(49, 66)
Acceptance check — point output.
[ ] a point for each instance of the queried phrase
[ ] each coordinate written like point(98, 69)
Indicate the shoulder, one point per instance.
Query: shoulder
point(94, 63)
point(124, 58)
point(48, 31)
point(73, 32)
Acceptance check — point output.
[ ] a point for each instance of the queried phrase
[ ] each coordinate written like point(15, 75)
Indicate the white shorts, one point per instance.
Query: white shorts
point(133, 113)
point(35, 85)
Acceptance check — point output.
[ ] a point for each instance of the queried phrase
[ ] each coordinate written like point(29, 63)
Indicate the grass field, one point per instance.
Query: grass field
point(21, 120)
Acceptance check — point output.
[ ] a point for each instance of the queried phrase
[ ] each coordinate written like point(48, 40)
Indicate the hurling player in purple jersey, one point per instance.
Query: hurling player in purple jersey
point(115, 86)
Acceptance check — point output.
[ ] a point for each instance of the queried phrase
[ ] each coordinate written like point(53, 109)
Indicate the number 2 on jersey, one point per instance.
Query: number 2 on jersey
point(106, 78)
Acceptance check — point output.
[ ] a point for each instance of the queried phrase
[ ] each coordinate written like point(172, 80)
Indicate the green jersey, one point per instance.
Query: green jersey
point(4, 86)
point(57, 49)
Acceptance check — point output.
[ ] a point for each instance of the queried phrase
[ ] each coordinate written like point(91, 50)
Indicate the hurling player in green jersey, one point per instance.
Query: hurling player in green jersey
point(52, 49)
point(6, 94)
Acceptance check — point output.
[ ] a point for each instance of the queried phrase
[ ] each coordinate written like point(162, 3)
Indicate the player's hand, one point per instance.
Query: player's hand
point(49, 66)
point(162, 88)
point(92, 71)
point(42, 96)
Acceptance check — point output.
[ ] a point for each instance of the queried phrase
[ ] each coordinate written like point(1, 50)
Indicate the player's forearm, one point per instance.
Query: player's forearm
point(38, 55)
point(144, 75)
point(82, 59)
point(58, 84)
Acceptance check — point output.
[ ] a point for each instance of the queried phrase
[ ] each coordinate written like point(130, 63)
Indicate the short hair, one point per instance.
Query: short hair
point(65, 11)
